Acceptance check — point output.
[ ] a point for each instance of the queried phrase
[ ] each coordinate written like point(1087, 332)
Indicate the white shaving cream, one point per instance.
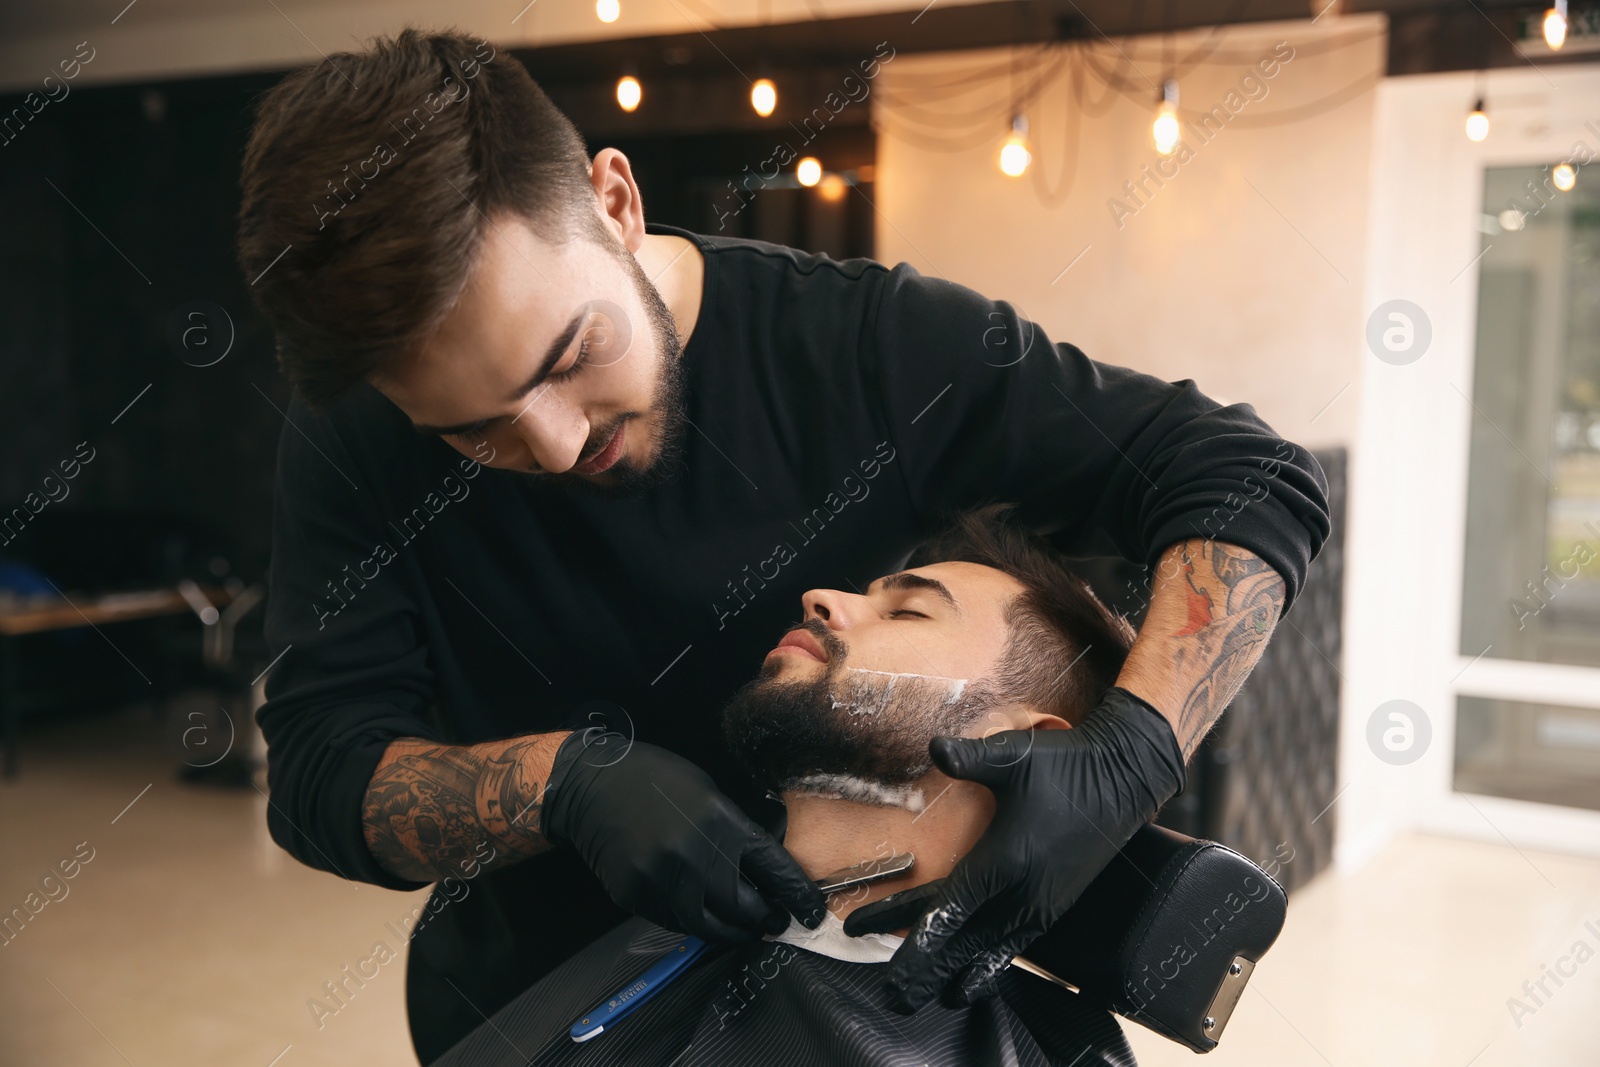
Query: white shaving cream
point(937, 922)
point(875, 700)
point(953, 693)
point(849, 787)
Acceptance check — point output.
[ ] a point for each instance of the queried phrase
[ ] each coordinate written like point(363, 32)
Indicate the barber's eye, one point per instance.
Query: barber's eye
point(477, 433)
point(577, 364)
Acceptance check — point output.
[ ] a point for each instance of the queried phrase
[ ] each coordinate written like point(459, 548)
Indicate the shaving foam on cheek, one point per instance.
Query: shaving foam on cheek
point(953, 690)
point(849, 787)
point(872, 693)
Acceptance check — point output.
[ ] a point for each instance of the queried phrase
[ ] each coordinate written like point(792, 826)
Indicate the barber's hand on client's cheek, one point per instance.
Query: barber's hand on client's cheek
point(1065, 802)
point(668, 845)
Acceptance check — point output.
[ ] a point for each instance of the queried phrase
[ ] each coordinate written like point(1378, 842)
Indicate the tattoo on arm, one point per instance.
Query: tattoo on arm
point(1233, 600)
point(432, 809)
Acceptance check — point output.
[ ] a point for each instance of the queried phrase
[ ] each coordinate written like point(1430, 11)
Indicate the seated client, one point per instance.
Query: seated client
point(985, 630)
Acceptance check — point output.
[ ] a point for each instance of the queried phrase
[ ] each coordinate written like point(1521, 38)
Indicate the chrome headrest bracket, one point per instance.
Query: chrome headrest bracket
point(1227, 997)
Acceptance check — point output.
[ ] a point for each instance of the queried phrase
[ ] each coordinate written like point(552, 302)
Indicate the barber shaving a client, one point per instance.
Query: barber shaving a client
point(543, 454)
point(958, 652)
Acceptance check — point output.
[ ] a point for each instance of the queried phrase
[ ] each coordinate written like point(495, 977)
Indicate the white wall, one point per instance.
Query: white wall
point(1244, 271)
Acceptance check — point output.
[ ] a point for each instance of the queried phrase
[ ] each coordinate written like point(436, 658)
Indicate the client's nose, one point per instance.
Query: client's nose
point(832, 606)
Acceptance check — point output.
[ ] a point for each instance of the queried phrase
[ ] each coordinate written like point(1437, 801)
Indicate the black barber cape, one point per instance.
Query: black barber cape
point(769, 1002)
point(839, 409)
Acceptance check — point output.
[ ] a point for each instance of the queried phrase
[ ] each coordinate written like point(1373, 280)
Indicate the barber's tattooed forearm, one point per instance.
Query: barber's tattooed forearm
point(1213, 607)
point(1232, 602)
point(432, 808)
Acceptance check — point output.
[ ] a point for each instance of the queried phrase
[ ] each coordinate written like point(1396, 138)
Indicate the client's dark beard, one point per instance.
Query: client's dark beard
point(869, 727)
point(669, 401)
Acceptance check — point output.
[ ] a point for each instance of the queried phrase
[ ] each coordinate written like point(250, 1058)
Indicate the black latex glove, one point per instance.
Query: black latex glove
point(1065, 802)
point(668, 845)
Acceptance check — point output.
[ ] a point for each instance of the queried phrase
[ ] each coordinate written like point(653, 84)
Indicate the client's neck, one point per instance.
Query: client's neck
point(826, 833)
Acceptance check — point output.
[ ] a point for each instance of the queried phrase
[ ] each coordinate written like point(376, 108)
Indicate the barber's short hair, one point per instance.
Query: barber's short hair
point(370, 183)
point(1066, 647)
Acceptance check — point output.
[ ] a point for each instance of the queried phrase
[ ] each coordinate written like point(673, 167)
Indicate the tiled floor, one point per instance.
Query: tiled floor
point(188, 938)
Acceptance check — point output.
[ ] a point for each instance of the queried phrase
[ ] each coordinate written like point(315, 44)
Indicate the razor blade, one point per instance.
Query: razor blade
point(874, 870)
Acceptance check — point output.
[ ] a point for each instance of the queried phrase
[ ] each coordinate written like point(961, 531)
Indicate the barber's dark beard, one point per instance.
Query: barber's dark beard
point(871, 727)
point(668, 402)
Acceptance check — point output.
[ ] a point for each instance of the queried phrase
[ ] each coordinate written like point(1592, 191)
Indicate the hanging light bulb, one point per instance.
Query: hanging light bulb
point(808, 171)
point(1014, 154)
point(764, 97)
point(629, 92)
point(1555, 25)
point(832, 188)
point(1564, 177)
point(1165, 130)
point(1478, 122)
point(607, 10)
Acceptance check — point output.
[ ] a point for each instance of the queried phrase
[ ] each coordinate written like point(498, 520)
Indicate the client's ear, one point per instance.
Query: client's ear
point(1017, 717)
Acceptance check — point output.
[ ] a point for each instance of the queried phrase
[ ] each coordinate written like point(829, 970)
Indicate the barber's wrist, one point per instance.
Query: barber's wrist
point(578, 760)
point(1167, 769)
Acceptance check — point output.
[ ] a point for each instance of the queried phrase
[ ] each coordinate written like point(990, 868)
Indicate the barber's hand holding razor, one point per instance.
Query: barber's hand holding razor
point(668, 845)
point(1065, 802)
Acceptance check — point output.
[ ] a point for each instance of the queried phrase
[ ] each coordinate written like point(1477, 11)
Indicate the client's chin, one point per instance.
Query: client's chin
point(863, 737)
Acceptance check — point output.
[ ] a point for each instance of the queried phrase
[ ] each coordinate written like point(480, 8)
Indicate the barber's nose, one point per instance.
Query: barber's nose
point(554, 433)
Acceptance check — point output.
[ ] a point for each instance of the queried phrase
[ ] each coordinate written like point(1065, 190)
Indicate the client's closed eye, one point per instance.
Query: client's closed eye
point(906, 611)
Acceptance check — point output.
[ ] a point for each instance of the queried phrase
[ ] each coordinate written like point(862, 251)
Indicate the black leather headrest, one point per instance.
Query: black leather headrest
point(1168, 934)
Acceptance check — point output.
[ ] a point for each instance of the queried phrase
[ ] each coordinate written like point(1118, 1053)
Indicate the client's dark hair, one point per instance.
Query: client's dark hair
point(1056, 622)
point(368, 183)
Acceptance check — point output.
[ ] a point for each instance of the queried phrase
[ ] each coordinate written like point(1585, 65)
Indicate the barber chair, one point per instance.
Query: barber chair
point(1167, 935)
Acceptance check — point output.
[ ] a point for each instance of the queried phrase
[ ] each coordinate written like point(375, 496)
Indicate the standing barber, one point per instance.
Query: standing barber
point(555, 477)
